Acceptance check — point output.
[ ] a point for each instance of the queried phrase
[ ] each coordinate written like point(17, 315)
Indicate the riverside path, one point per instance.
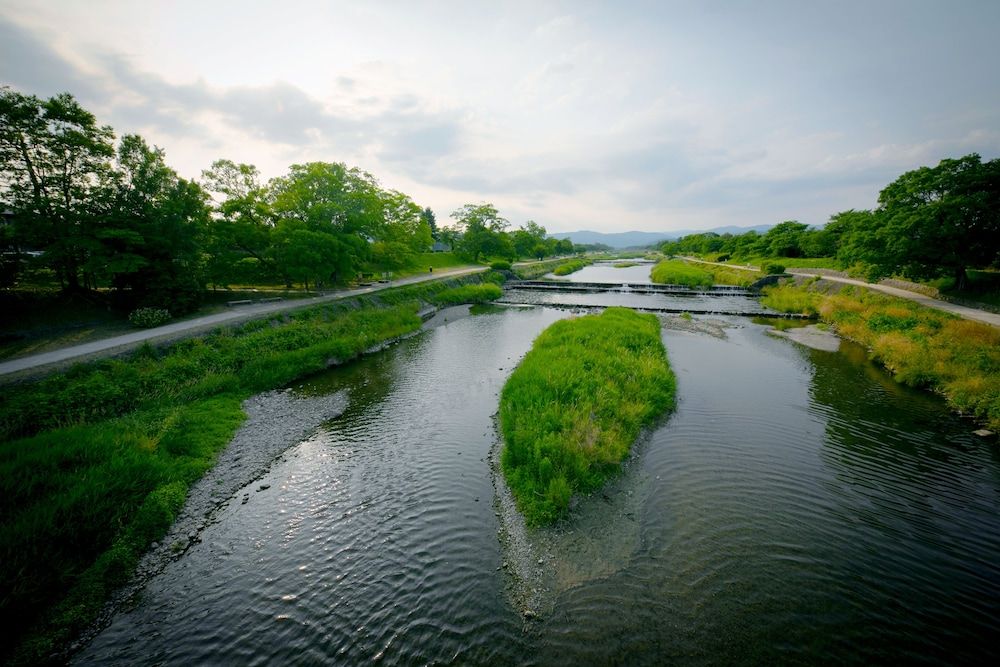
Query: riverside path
point(984, 316)
point(37, 363)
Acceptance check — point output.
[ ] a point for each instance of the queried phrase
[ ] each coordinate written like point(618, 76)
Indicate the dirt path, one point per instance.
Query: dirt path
point(29, 366)
point(976, 314)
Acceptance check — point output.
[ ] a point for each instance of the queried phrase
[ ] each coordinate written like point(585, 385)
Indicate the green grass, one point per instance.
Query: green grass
point(95, 463)
point(724, 275)
point(573, 407)
point(920, 346)
point(785, 300)
point(572, 266)
point(535, 269)
point(679, 272)
point(432, 260)
point(481, 293)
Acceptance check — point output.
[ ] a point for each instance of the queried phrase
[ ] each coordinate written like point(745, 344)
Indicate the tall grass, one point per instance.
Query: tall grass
point(920, 346)
point(571, 410)
point(572, 266)
point(481, 293)
point(725, 275)
point(679, 272)
point(95, 463)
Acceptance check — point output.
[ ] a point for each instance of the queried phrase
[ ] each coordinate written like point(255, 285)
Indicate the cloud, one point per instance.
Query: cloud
point(29, 64)
point(279, 113)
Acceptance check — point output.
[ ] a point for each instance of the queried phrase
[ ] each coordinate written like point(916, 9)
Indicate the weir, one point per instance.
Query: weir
point(740, 312)
point(646, 297)
point(635, 288)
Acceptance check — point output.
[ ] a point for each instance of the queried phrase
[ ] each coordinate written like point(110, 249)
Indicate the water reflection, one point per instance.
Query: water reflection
point(798, 507)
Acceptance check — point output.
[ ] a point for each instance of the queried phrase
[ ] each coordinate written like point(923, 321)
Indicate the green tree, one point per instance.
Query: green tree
point(483, 231)
point(785, 239)
point(428, 217)
point(149, 236)
point(239, 235)
point(53, 157)
point(936, 221)
point(332, 199)
point(528, 238)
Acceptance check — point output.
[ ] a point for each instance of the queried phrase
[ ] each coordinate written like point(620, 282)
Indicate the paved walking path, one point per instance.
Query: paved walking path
point(976, 314)
point(177, 330)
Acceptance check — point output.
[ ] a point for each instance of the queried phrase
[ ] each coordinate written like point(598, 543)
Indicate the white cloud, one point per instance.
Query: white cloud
point(600, 117)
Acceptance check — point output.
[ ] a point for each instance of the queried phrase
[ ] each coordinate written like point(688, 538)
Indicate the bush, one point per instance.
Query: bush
point(147, 318)
point(772, 268)
point(500, 266)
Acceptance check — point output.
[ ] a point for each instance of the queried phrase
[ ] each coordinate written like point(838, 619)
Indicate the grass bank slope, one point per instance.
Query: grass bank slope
point(920, 346)
point(572, 266)
point(572, 409)
point(679, 272)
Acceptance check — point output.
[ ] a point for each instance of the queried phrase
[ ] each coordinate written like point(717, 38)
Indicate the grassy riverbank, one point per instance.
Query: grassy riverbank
point(920, 346)
point(679, 272)
point(533, 270)
point(572, 266)
point(96, 463)
point(573, 407)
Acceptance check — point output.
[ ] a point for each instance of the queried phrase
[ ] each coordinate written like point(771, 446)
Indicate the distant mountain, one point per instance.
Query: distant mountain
point(640, 239)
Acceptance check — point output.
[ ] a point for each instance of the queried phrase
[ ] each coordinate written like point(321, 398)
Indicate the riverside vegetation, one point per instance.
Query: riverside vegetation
point(679, 272)
point(573, 407)
point(572, 266)
point(96, 463)
point(920, 346)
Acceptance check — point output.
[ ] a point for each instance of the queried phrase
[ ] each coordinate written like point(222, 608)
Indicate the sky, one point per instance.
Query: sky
point(606, 116)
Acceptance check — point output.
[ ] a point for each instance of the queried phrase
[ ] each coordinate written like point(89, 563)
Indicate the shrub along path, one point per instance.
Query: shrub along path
point(31, 365)
point(993, 319)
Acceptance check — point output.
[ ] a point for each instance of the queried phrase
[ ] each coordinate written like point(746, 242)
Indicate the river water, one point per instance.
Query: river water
point(798, 506)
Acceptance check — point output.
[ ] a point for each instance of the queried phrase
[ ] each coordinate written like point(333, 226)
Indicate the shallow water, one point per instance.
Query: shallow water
point(799, 506)
point(607, 272)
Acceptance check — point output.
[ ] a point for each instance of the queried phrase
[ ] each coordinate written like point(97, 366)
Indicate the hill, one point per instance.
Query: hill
point(635, 239)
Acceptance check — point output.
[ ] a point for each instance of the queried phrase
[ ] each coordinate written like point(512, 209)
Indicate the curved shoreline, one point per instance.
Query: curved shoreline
point(276, 421)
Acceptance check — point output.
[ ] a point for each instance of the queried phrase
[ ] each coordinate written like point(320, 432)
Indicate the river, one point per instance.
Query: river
point(799, 506)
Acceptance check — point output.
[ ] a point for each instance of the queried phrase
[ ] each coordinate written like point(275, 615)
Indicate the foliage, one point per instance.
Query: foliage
point(933, 221)
point(573, 407)
point(500, 266)
point(572, 266)
point(920, 346)
point(481, 293)
point(54, 160)
point(536, 269)
point(481, 230)
point(725, 275)
point(147, 318)
point(786, 299)
point(930, 222)
point(677, 272)
point(772, 268)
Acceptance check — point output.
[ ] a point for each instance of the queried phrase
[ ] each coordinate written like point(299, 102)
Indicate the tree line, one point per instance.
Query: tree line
point(104, 214)
point(930, 222)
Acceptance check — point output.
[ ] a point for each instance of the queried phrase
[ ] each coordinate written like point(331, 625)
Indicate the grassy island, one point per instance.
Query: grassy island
point(572, 409)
